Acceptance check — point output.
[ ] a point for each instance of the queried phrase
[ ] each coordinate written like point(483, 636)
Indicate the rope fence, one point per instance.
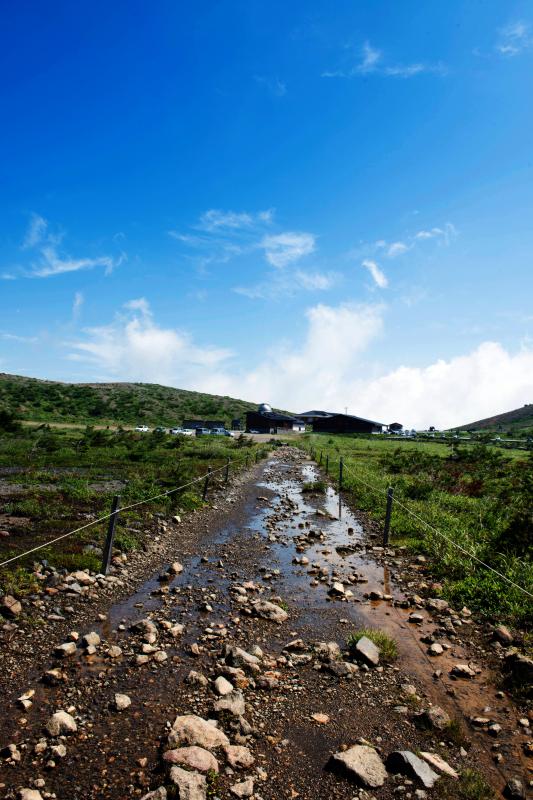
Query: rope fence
point(391, 499)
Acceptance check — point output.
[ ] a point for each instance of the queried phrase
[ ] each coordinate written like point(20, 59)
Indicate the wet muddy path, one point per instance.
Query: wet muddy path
point(281, 544)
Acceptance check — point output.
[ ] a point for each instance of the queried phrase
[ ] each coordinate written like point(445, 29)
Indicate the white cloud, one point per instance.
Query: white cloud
point(77, 304)
point(514, 39)
point(369, 60)
point(397, 249)
point(134, 347)
point(380, 279)
point(50, 259)
point(284, 248)
point(217, 220)
point(13, 337)
point(36, 231)
point(284, 284)
point(331, 367)
point(320, 281)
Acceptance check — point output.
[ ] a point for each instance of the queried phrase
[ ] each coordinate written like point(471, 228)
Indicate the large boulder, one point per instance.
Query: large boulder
point(408, 764)
point(362, 764)
point(192, 730)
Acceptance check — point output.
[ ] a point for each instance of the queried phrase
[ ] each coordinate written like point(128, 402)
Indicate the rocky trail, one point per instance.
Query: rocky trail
point(215, 665)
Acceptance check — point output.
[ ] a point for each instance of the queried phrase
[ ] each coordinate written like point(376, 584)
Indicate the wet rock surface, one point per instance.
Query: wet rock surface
point(236, 668)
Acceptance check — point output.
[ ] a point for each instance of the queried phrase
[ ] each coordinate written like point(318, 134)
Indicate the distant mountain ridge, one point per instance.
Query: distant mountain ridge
point(110, 403)
point(518, 419)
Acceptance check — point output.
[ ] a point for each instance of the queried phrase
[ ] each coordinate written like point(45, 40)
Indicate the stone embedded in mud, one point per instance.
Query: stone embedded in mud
point(433, 718)
point(61, 723)
point(462, 671)
point(503, 635)
point(66, 649)
point(91, 639)
point(514, 790)
point(157, 794)
point(194, 757)
point(435, 649)
point(406, 763)
point(114, 651)
point(233, 703)
point(29, 794)
point(362, 764)
point(189, 729)
point(336, 589)
point(237, 657)
point(243, 788)
point(367, 650)
point(175, 568)
point(222, 686)
point(439, 764)
point(147, 628)
point(121, 701)
point(238, 757)
point(10, 606)
point(521, 669)
point(436, 605)
point(191, 786)
point(269, 611)
point(327, 651)
point(196, 679)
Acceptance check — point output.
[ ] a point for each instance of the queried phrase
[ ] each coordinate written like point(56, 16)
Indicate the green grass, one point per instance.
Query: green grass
point(73, 477)
point(386, 644)
point(470, 786)
point(477, 497)
point(315, 487)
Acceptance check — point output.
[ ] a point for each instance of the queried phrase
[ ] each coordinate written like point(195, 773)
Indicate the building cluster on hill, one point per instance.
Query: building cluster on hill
point(265, 420)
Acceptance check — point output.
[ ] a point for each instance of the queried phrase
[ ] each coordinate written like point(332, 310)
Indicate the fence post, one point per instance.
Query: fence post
point(341, 466)
point(226, 475)
point(327, 463)
point(110, 538)
point(388, 513)
point(320, 460)
point(206, 483)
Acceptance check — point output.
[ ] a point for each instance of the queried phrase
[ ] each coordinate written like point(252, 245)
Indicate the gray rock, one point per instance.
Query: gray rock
point(362, 764)
point(439, 764)
point(91, 639)
point(270, 611)
point(65, 650)
point(192, 730)
point(157, 794)
point(406, 763)
point(503, 635)
point(243, 788)
point(233, 703)
point(10, 607)
point(434, 718)
point(61, 723)
point(514, 790)
point(238, 757)
point(462, 671)
point(367, 650)
point(222, 686)
point(436, 605)
point(190, 785)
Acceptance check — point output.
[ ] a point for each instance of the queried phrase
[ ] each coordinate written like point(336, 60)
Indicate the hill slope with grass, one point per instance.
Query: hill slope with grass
point(512, 421)
point(122, 403)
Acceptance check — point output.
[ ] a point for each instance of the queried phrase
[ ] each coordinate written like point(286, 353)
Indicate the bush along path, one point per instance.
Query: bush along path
point(272, 655)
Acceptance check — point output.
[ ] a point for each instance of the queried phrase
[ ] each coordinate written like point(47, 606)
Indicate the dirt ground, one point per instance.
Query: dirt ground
point(248, 546)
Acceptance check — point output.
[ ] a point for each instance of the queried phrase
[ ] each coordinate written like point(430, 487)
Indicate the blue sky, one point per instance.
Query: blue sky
point(306, 203)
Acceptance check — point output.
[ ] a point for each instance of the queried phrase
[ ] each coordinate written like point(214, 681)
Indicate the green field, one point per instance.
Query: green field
point(474, 496)
point(52, 481)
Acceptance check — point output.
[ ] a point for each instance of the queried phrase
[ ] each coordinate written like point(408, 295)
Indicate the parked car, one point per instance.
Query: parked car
point(188, 431)
point(142, 428)
point(175, 431)
point(202, 431)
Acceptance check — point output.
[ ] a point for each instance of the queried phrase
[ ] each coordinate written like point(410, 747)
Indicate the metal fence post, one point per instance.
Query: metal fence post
point(341, 468)
point(206, 483)
point(226, 475)
point(110, 538)
point(320, 459)
point(327, 463)
point(388, 513)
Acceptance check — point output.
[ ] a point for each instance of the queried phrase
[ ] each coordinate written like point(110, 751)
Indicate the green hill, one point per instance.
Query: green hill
point(515, 422)
point(111, 403)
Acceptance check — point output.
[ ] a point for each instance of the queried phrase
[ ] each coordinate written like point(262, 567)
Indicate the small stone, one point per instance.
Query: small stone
point(435, 649)
point(462, 671)
point(407, 763)
point(61, 723)
point(65, 650)
point(191, 786)
point(322, 719)
point(362, 764)
point(433, 718)
point(270, 611)
point(121, 702)
point(223, 686)
point(29, 794)
point(243, 788)
point(514, 790)
point(232, 702)
point(157, 794)
point(189, 729)
point(503, 635)
point(439, 764)
point(238, 757)
point(91, 639)
point(10, 607)
point(367, 650)
point(175, 568)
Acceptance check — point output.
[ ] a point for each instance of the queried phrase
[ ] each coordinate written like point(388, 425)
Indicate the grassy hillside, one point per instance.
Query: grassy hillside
point(102, 403)
point(512, 421)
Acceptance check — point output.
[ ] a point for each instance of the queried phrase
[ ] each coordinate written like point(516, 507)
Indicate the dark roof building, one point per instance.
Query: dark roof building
point(192, 424)
point(264, 420)
point(346, 423)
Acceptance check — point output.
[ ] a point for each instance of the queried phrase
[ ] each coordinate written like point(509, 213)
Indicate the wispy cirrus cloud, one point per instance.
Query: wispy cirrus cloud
point(368, 60)
point(379, 277)
point(514, 38)
point(49, 257)
point(285, 283)
point(444, 235)
point(285, 248)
